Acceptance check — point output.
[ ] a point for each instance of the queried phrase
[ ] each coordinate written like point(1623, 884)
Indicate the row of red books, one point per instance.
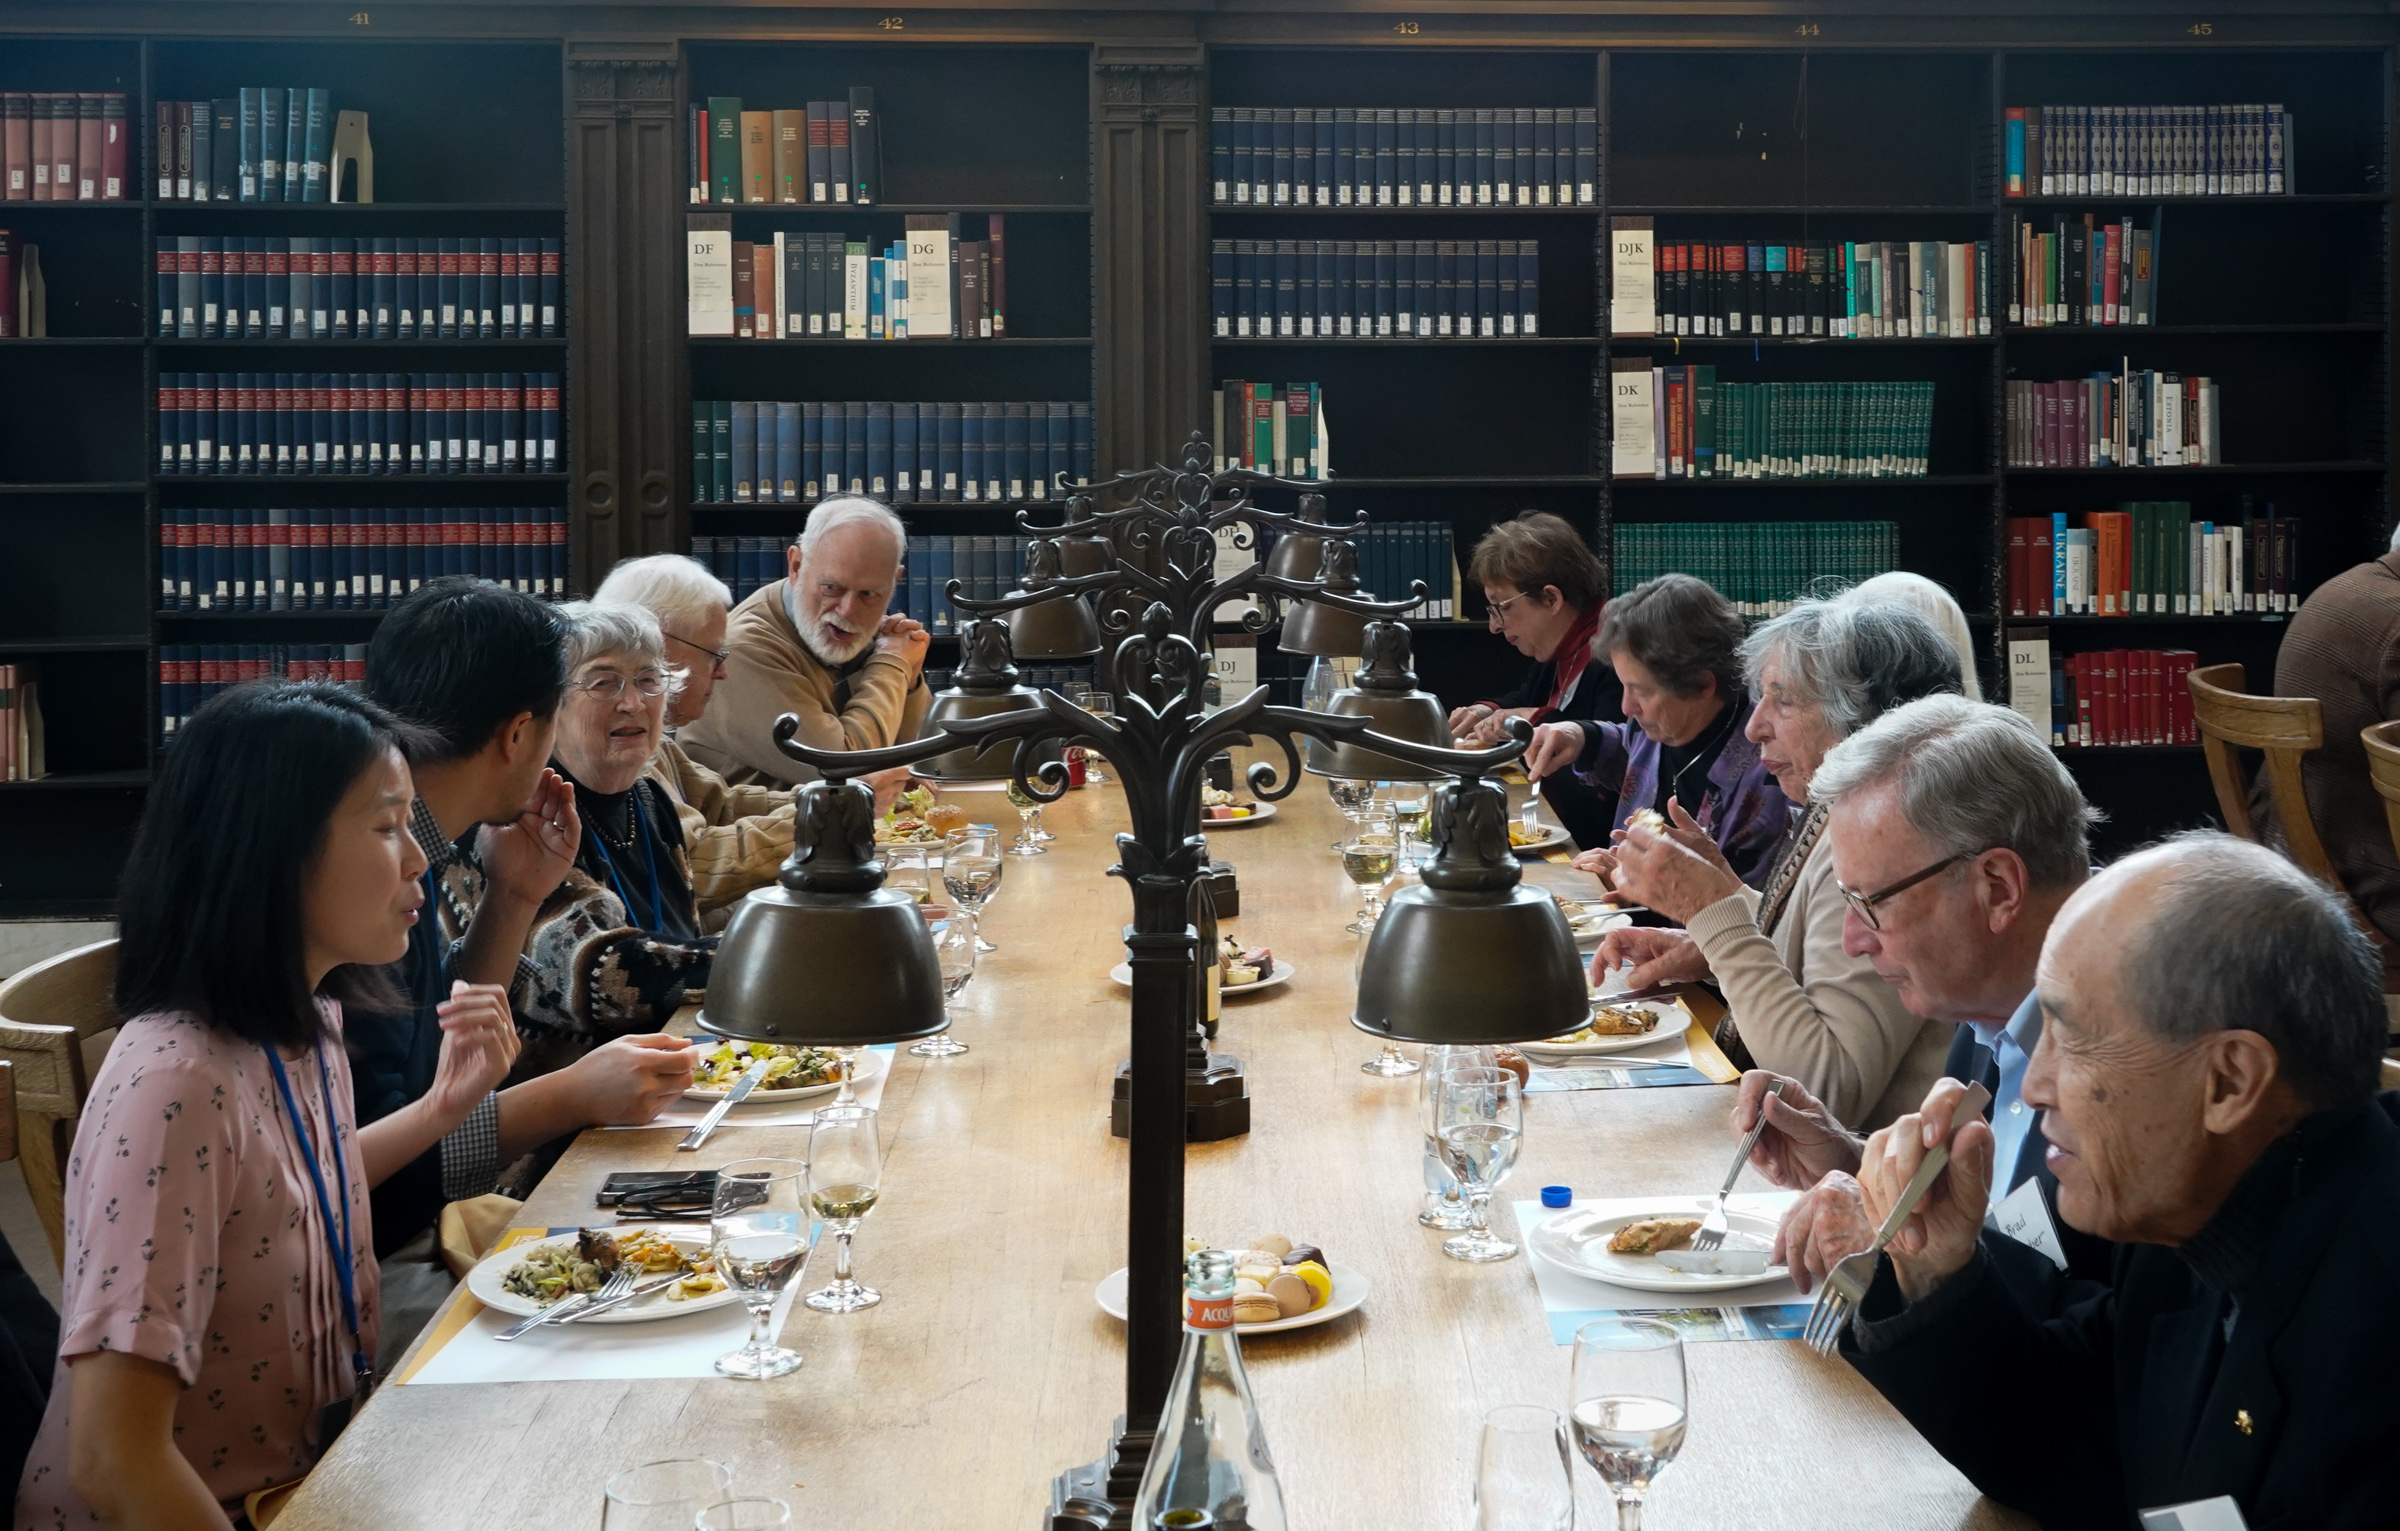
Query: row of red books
point(2116, 697)
point(62, 146)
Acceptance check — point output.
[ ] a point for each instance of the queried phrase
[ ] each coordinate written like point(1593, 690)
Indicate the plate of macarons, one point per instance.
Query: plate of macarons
point(1277, 1285)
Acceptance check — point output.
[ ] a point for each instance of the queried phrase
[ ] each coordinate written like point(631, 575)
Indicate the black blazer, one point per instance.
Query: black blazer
point(2133, 1397)
point(2088, 1258)
point(1598, 694)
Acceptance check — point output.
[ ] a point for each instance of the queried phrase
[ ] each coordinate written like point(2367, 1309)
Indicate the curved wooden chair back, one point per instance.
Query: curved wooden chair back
point(2282, 728)
point(2383, 768)
point(56, 1022)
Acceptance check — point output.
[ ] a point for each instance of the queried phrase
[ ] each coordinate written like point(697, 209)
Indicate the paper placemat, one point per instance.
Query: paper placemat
point(1772, 1311)
point(687, 1113)
point(463, 1346)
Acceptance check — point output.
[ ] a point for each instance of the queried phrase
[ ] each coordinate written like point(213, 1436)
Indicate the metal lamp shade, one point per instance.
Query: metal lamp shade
point(1330, 633)
point(1416, 716)
point(825, 970)
point(977, 764)
point(1475, 968)
point(1060, 629)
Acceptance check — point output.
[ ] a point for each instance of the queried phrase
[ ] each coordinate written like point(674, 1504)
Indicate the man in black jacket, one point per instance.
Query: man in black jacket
point(1956, 836)
point(2207, 1072)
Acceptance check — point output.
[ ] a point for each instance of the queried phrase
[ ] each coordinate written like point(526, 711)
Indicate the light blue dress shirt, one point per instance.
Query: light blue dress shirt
point(2012, 1048)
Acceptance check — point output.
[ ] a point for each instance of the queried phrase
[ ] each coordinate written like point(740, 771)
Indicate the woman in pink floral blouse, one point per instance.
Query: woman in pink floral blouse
point(220, 1282)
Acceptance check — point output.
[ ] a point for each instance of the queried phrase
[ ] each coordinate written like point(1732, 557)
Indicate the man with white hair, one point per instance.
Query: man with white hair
point(819, 644)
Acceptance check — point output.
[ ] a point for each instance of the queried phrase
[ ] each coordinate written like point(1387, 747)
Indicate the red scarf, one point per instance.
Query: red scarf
point(1574, 651)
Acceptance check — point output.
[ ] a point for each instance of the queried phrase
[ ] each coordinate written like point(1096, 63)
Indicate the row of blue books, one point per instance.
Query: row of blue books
point(747, 452)
point(328, 287)
point(322, 559)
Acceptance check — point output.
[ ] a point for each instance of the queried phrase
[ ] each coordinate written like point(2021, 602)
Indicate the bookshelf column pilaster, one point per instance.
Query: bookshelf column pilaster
point(625, 198)
point(1150, 304)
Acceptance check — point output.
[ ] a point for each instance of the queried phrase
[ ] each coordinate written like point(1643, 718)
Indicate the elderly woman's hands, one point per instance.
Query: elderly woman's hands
point(1678, 871)
point(1658, 957)
point(1554, 748)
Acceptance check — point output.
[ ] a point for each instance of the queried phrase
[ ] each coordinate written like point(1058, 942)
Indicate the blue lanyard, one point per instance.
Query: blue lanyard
point(649, 852)
point(361, 1367)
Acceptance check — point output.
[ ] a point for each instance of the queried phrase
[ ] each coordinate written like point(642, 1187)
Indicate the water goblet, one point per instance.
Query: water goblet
point(663, 1496)
point(1481, 1122)
point(1351, 797)
point(955, 948)
point(1628, 1406)
point(1445, 1204)
point(758, 1235)
point(1028, 813)
point(1523, 1479)
point(972, 863)
point(845, 1163)
point(1368, 863)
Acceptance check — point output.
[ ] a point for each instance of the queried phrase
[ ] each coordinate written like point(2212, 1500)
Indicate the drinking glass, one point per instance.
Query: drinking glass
point(1628, 1406)
point(1368, 863)
point(758, 1234)
point(972, 863)
point(845, 1160)
point(1523, 1480)
point(745, 1515)
point(1352, 798)
point(663, 1496)
point(1445, 1204)
point(1101, 705)
point(1029, 814)
point(955, 948)
point(1481, 1122)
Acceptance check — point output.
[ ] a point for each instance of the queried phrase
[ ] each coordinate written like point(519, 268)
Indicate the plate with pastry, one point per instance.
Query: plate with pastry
point(1613, 1028)
point(1246, 969)
point(1590, 922)
point(1277, 1286)
point(1651, 1250)
point(1539, 840)
point(1220, 809)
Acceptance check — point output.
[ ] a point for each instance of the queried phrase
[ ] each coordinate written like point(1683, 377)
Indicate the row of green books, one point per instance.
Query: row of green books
point(1763, 567)
point(1702, 428)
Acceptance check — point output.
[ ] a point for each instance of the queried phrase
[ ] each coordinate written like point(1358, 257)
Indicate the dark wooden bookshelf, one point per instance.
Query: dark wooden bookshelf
point(1096, 147)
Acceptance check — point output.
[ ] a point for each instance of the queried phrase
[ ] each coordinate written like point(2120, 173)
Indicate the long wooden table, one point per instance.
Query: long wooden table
point(988, 1369)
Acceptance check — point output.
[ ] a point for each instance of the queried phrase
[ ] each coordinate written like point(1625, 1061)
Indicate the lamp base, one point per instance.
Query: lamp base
point(1098, 1496)
point(1216, 1102)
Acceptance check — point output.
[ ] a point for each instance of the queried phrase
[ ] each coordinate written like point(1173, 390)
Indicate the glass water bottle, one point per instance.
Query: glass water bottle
point(1209, 1465)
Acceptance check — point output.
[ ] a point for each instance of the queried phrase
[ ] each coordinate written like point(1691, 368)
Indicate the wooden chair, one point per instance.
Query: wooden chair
point(2283, 728)
point(56, 1022)
point(2383, 768)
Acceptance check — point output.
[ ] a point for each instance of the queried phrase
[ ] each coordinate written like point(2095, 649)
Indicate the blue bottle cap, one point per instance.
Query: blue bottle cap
point(1558, 1196)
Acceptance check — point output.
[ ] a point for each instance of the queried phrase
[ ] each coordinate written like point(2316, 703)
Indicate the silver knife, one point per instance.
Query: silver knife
point(733, 1097)
point(590, 1308)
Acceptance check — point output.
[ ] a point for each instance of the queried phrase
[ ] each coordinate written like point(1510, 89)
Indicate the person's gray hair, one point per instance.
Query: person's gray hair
point(1971, 777)
point(597, 630)
point(1680, 630)
point(851, 510)
point(2240, 939)
point(1854, 659)
point(676, 589)
point(2396, 537)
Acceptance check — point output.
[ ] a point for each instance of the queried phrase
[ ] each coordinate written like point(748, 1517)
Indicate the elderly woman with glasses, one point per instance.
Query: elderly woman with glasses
point(1797, 1003)
point(614, 948)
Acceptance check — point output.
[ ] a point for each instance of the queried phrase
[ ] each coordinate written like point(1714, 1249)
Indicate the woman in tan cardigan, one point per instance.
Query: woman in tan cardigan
point(1797, 1003)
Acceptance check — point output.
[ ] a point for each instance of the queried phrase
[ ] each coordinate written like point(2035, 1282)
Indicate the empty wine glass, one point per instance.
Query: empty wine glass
point(1445, 1204)
point(972, 863)
point(758, 1235)
point(1523, 1479)
point(745, 1515)
point(1101, 705)
point(955, 947)
point(1029, 813)
point(1352, 798)
point(1368, 863)
point(1628, 1406)
point(1481, 1122)
point(845, 1162)
point(663, 1496)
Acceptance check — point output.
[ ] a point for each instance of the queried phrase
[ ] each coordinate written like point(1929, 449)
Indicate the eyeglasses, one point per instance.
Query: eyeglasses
point(714, 656)
point(1864, 903)
point(1497, 611)
point(609, 686)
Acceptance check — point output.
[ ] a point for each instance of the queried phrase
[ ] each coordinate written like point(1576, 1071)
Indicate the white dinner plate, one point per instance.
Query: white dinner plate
point(1349, 1293)
point(1259, 814)
point(1595, 922)
point(869, 1065)
point(1553, 839)
point(1576, 1241)
point(1281, 972)
point(1601, 1047)
point(483, 1283)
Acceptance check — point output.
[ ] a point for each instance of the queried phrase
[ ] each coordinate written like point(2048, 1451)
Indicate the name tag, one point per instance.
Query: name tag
point(2025, 1217)
point(2218, 1514)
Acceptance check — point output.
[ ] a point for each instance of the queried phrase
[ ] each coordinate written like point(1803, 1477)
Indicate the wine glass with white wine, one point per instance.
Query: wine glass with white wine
point(954, 947)
point(1029, 812)
point(845, 1163)
point(758, 1235)
point(1101, 705)
point(1367, 861)
point(1628, 1407)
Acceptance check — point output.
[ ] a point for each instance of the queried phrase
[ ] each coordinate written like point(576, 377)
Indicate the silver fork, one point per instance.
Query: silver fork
point(1712, 1227)
point(1846, 1284)
point(619, 1282)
